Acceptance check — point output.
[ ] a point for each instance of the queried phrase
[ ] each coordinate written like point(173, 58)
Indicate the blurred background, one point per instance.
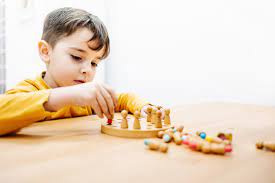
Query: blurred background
point(170, 52)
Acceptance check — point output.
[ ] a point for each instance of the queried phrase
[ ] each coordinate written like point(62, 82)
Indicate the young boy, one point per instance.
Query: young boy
point(73, 44)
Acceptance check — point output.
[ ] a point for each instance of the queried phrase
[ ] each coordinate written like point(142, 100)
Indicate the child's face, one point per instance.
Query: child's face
point(71, 61)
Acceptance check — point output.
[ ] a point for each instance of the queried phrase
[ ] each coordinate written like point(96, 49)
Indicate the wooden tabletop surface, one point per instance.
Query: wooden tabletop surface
point(74, 150)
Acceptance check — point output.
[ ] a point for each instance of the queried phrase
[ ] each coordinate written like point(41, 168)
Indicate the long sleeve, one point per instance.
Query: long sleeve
point(35, 88)
point(21, 109)
point(130, 102)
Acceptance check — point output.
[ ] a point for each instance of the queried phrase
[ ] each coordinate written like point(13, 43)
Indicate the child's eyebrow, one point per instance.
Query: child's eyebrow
point(84, 51)
point(78, 49)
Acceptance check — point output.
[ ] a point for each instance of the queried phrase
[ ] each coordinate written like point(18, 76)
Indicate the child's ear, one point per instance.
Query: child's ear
point(44, 51)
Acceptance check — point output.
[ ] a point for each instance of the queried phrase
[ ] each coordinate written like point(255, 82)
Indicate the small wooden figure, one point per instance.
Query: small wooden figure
point(160, 134)
point(217, 140)
point(217, 148)
point(206, 148)
point(149, 114)
point(163, 147)
point(167, 138)
point(136, 121)
point(158, 107)
point(177, 138)
point(153, 116)
point(167, 117)
point(169, 132)
point(268, 145)
point(124, 123)
point(158, 123)
point(153, 145)
point(180, 128)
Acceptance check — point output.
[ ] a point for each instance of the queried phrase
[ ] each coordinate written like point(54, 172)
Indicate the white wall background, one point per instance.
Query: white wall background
point(177, 52)
point(171, 52)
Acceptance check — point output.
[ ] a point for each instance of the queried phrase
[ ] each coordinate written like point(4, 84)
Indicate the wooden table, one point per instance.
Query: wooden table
point(74, 150)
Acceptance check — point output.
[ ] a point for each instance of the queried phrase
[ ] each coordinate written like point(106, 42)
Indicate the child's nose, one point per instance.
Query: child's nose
point(86, 68)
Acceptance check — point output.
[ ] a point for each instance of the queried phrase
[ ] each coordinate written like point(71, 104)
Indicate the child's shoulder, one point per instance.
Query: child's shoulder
point(29, 85)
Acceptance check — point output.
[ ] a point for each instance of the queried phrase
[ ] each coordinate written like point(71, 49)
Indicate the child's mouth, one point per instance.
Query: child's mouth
point(79, 81)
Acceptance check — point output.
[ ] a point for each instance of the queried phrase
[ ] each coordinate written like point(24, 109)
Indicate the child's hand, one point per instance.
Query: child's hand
point(144, 110)
point(100, 97)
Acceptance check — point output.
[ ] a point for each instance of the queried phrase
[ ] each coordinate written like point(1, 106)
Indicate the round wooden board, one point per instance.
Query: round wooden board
point(147, 129)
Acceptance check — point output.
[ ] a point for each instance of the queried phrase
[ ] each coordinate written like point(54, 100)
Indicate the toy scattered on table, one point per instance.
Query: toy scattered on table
point(201, 134)
point(154, 145)
point(225, 136)
point(266, 145)
point(196, 143)
point(134, 126)
point(199, 142)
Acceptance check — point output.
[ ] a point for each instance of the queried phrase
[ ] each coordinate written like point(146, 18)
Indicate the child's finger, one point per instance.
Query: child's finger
point(96, 108)
point(103, 105)
point(112, 93)
point(108, 100)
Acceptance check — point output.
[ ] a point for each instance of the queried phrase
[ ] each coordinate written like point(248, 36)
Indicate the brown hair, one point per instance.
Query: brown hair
point(65, 21)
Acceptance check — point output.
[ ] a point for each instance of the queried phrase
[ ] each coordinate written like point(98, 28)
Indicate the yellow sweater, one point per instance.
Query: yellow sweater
point(23, 105)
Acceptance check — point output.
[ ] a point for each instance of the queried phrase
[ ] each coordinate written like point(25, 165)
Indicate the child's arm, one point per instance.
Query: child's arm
point(21, 109)
point(25, 105)
point(130, 102)
point(101, 98)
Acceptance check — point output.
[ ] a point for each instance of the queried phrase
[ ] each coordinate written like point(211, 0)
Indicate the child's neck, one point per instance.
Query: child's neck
point(49, 80)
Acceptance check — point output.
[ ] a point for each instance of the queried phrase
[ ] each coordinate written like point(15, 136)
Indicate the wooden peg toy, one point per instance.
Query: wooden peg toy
point(217, 148)
point(153, 145)
point(167, 138)
point(163, 147)
point(180, 128)
point(149, 114)
point(185, 139)
point(160, 134)
point(132, 126)
point(167, 117)
point(124, 123)
point(136, 121)
point(153, 116)
point(206, 148)
point(225, 136)
point(158, 107)
point(158, 123)
point(177, 138)
point(169, 131)
point(267, 145)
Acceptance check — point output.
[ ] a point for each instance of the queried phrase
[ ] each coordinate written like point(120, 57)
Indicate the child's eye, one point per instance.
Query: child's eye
point(76, 58)
point(94, 64)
